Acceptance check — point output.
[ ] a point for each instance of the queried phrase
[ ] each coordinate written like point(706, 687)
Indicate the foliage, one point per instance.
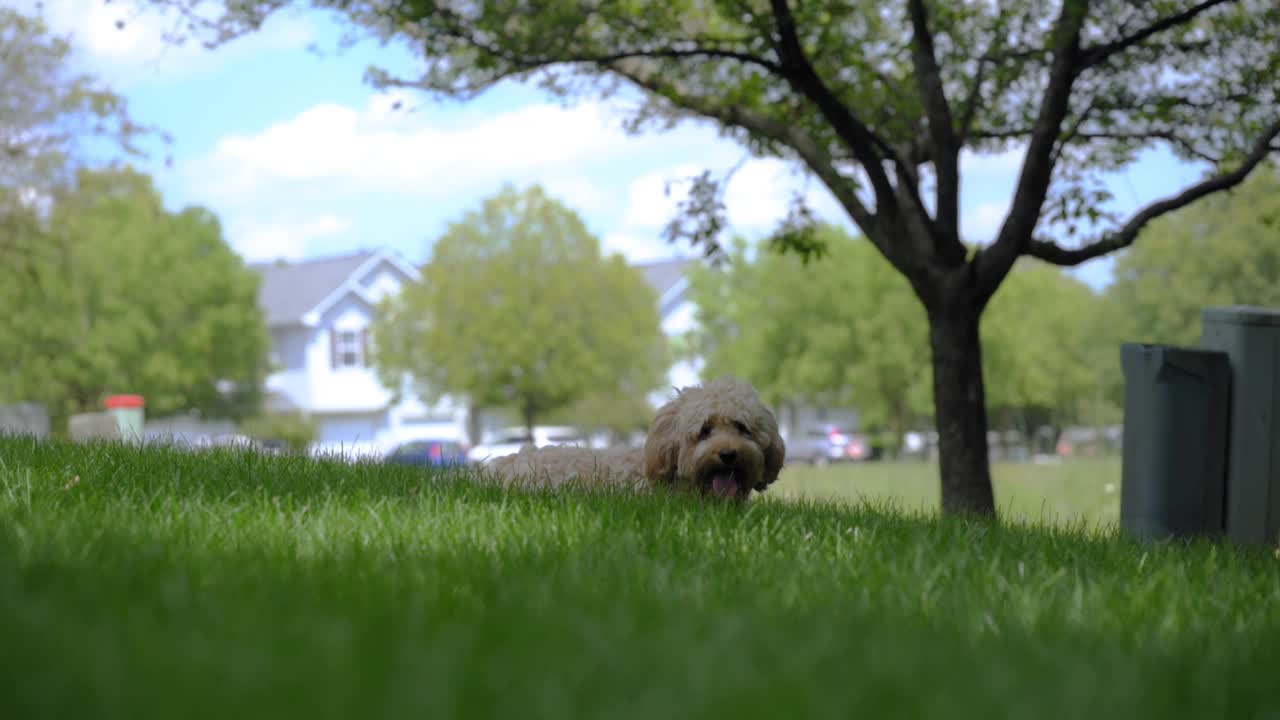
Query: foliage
point(518, 308)
point(847, 330)
point(620, 415)
point(295, 430)
point(47, 109)
point(1223, 251)
point(1039, 349)
point(878, 101)
point(125, 296)
point(141, 583)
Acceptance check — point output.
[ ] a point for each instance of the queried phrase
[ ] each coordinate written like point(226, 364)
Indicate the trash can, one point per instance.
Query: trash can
point(1173, 477)
point(129, 413)
point(1250, 336)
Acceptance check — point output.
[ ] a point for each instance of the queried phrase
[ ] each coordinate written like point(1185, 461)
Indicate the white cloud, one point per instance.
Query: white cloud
point(582, 194)
point(280, 240)
point(653, 198)
point(374, 149)
point(642, 247)
point(127, 40)
point(981, 222)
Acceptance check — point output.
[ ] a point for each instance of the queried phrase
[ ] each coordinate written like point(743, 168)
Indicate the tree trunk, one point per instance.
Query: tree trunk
point(474, 424)
point(960, 409)
point(528, 413)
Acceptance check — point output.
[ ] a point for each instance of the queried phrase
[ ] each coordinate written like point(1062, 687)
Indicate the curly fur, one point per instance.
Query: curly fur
point(718, 438)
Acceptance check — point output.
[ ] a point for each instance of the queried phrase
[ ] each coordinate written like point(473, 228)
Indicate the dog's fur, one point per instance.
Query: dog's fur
point(717, 439)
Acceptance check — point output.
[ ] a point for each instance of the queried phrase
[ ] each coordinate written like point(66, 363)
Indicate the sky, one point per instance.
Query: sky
point(300, 157)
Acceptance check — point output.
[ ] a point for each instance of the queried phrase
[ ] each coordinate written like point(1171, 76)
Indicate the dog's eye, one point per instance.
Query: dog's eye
point(705, 432)
point(743, 429)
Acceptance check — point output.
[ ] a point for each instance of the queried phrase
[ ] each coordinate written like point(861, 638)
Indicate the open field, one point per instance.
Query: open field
point(1069, 492)
point(161, 584)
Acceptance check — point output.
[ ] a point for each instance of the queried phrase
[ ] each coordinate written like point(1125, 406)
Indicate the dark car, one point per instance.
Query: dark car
point(437, 453)
point(828, 444)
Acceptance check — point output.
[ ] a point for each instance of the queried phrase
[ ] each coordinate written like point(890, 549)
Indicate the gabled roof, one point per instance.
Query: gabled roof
point(667, 277)
point(291, 291)
point(664, 274)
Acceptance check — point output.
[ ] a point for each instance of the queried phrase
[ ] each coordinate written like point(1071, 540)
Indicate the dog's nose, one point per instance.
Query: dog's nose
point(728, 456)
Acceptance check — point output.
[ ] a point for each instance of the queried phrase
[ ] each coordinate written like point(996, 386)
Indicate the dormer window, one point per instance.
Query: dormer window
point(350, 348)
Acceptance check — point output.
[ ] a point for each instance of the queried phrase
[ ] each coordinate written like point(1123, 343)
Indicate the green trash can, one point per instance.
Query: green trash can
point(1173, 477)
point(1250, 336)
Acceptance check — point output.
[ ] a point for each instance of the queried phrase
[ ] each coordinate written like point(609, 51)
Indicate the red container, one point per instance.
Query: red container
point(120, 402)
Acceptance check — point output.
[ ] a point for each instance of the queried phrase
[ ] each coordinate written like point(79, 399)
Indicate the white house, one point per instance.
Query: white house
point(319, 313)
point(678, 314)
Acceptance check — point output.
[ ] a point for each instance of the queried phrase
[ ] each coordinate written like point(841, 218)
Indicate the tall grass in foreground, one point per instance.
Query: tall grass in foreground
point(168, 584)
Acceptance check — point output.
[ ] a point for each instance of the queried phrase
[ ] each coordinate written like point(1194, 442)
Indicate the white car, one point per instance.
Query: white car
point(509, 440)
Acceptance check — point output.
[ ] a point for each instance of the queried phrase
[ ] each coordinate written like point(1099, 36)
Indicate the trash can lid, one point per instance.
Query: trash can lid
point(114, 402)
point(1242, 315)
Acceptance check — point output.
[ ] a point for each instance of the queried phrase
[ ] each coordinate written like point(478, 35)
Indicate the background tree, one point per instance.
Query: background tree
point(128, 297)
point(517, 308)
point(878, 100)
point(847, 330)
point(47, 110)
point(1223, 251)
point(1039, 340)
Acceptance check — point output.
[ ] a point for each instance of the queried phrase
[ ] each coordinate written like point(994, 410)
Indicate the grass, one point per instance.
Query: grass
point(1073, 492)
point(226, 585)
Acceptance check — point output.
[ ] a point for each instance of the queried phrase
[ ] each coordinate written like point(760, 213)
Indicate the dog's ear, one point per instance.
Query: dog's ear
point(662, 446)
point(775, 454)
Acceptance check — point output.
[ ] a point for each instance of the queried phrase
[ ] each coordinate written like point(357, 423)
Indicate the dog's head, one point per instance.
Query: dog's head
point(718, 439)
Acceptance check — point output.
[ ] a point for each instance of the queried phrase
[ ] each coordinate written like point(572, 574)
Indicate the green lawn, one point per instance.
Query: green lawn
point(1071, 492)
point(221, 585)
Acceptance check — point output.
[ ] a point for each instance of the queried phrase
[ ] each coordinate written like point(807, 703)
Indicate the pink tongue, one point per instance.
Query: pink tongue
point(723, 485)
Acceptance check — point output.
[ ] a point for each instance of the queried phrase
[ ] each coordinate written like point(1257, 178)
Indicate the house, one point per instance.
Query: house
point(319, 313)
point(678, 316)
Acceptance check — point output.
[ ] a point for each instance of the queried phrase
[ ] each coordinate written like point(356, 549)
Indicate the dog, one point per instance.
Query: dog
point(717, 439)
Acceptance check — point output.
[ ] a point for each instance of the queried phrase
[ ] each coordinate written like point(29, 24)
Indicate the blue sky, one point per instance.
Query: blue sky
point(300, 157)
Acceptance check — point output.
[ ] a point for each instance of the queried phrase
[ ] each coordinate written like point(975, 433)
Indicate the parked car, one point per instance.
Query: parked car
point(436, 453)
point(510, 440)
point(825, 444)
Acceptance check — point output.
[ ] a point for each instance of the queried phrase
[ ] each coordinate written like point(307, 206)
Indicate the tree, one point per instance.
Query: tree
point(878, 101)
point(846, 330)
point(1224, 251)
point(1040, 343)
point(518, 308)
point(46, 108)
point(128, 297)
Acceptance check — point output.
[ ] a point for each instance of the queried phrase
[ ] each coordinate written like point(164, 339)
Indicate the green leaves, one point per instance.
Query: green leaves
point(1038, 338)
point(46, 110)
point(518, 308)
point(846, 330)
point(1224, 250)
point(120, 295)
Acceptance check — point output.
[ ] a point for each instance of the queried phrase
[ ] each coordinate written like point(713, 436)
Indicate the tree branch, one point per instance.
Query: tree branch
point(946, 150)
point(815, 157)
point(1098, 53)
point(1053, 253)
point(806, 80)
point(994, 262)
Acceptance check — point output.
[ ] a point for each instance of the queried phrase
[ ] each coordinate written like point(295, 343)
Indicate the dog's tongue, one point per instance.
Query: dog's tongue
point(723, 484)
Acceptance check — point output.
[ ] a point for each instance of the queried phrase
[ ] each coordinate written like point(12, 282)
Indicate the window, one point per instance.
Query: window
point(349, 348)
